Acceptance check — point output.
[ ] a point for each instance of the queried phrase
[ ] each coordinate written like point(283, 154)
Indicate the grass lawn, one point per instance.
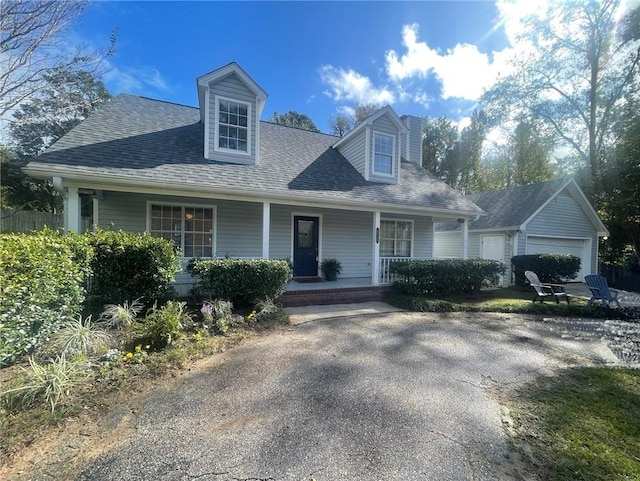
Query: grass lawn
point(513, 300)
point(583, 424)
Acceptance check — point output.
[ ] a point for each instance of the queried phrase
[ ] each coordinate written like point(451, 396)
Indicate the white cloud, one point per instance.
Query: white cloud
point(513, 12)
point(418, 60)
point(464, 71)
point(136, 80)
point(351, 86)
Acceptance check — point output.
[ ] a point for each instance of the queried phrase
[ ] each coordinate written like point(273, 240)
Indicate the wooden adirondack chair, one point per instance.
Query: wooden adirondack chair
point(600, 290)
point(546, 291)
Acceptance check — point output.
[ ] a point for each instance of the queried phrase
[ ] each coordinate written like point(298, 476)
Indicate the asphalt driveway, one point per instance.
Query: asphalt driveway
point(394, 396)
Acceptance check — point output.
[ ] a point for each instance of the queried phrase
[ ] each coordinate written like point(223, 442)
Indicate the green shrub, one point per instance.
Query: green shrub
point(550, 268)
point(43, 278)
point(217, 314)
point(129, 265)
point(162, 326)
point(239, 281)
point(445, 276)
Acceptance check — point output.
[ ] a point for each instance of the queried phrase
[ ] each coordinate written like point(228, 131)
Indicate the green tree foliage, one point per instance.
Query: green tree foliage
point(620, 208)
point(66, 99)
point(439, 148)
point(530, 154)
point(342, 123)
point(455, 156)
point(576, 77)
point(362, 111)
point(294, 119)
point(470, 152)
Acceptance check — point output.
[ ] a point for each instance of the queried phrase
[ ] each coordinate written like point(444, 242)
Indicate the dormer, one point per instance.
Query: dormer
point(373, 147)
point(231, 103)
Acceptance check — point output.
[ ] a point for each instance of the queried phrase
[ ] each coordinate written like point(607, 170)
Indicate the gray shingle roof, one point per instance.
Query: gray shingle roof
point(140, 140)
point(509, 207)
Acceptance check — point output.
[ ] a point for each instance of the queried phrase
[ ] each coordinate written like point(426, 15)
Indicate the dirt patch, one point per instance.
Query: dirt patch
point(61, 452)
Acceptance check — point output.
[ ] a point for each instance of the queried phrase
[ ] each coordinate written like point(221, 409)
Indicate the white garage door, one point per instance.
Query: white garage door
point(576, 247)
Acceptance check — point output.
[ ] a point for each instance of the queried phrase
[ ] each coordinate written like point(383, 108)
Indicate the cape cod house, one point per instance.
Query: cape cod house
point(219, 182)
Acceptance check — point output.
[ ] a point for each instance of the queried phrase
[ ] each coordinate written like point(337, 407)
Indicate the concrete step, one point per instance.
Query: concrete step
point(319, 297)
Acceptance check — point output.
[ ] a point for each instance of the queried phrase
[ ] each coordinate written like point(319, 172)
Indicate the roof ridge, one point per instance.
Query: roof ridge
point(156, 100)
point(298, 128)
point(515, 187)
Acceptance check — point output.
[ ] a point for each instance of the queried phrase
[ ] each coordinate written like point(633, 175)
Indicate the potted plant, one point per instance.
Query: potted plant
point(331, 268)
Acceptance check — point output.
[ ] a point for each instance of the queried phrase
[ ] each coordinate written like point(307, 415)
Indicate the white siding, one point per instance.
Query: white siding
point(563, 217)
point(123, 212)
point(281, 236)
point(354, 151)
point(448, 245)
point(474, 247)
point(348, 236)
point(415, 126)
point(239, 229)
point(231, 87)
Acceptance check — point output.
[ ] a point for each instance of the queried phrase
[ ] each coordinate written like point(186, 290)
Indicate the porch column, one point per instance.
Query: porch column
point(465, 239)
point(71, 205)
point(376, 249)
point(266, 223)
point(96, 214)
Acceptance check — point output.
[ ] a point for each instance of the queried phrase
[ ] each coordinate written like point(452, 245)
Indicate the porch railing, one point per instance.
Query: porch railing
point(386, 276)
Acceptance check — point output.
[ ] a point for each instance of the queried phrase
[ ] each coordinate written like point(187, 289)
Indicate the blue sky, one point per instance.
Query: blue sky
point(424, 58)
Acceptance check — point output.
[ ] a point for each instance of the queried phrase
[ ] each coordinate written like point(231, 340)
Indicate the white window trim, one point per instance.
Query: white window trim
point(214, 229)
point(413, 231)
point(394, 167)
point(217, 99)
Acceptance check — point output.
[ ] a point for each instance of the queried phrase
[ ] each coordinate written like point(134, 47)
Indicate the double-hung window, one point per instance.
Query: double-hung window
point(233, 126)
point(396, 237)
point(383, 153)
point(190, 228)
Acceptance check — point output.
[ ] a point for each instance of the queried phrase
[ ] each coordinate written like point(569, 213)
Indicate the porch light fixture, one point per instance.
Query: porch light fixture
point(377, 235)
point(189, 215)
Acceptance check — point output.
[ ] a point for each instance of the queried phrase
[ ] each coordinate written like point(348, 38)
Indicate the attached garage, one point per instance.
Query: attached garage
point(552, 217)
point(580, 248)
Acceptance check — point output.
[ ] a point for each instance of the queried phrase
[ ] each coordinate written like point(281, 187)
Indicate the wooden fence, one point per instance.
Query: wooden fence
point(28, 220)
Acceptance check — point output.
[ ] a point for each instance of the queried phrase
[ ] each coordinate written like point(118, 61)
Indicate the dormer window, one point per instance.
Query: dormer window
point(383, 154)
point(233, 132)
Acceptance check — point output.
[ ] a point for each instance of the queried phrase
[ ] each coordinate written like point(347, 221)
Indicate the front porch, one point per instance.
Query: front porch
point(341, 291)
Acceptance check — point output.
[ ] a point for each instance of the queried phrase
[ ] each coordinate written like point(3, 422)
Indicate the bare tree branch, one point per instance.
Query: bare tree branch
point(33, 42)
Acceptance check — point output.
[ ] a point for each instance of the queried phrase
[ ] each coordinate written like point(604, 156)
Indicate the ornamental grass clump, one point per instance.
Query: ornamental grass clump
point(50, 382)
point(80, 336)
point(121, 316)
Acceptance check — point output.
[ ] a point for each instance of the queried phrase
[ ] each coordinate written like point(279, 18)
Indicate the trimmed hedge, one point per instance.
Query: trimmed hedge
point(241, 281)
point(128, 265)
point(444, 276)
point(550, 268)
point(43, 279)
